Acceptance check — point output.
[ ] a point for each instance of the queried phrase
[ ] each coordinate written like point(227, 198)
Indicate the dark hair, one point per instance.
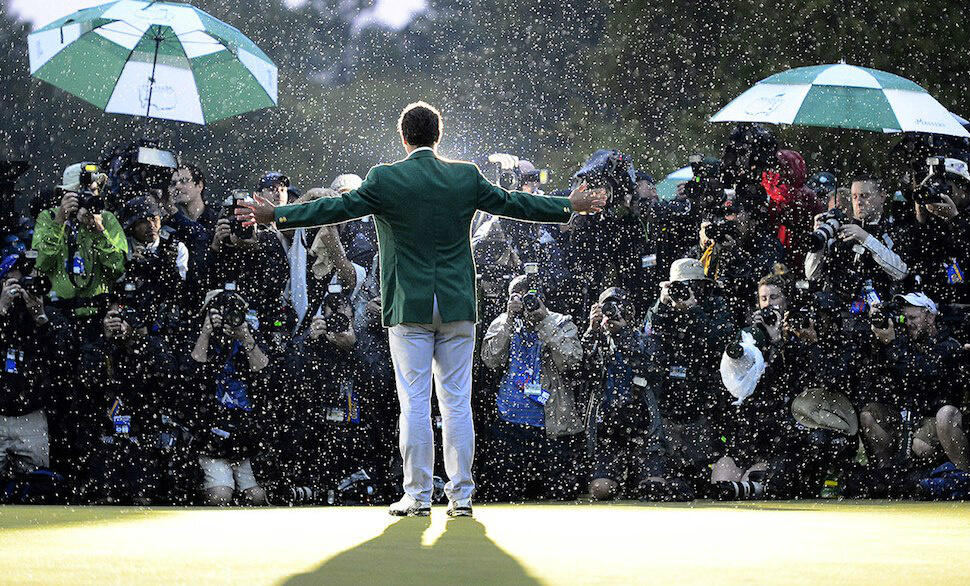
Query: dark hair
point(195, 172)
point(868, 178)
point(420, 124)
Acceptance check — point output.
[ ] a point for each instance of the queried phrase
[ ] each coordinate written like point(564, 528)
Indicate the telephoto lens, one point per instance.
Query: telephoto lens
point(530, 301)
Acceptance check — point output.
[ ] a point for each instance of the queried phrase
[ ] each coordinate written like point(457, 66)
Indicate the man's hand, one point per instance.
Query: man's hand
point(774, 332)
point(68, 207)
point(514, 305)
point(115, 327)
point(221, 234)
point(595, 316)
point(11, 291)
point(614, 324)
point(585, 200)
point(257, 212)
point(93, 222)
point(946, 209)
point(850, 232)
point(885, 336)
point(374, 306)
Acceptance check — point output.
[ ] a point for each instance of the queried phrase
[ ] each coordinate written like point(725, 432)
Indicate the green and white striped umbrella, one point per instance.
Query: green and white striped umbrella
point(842, 96)
point(157, 59)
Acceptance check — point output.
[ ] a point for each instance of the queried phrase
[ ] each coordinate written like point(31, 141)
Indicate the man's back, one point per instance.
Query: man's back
point(423, 207)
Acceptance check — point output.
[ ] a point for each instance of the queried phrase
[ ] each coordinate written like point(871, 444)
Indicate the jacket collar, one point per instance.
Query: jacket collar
point(421, 152)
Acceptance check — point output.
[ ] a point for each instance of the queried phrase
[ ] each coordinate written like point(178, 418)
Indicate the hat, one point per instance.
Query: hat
point(71, 180)
point(820, 409)
point(346, 182)
point(918, 300)
point(614, 294)
point(687, 269)
point(272, 178)
point(137, 209)
point(644, 176)
point(8, 263)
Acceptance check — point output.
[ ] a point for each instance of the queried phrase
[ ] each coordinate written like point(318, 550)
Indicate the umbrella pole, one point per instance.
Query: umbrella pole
point(151, 81)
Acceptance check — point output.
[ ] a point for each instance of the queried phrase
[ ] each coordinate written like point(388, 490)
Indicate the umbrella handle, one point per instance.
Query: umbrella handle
point(151, 80)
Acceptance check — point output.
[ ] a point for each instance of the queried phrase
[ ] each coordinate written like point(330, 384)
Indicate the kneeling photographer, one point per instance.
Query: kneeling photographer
point(624, 424)
point(126, 374)
point(919, 410)
point(535, 437)
point(226, 388)
point(687, 329)
point(32, 343)
point(790, 422)
point(856, 257)
point(321, 425)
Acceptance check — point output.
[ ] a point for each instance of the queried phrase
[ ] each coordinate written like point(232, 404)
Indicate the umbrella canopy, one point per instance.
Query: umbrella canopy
point(842, 96)
point(157, 59)
point(667, 187)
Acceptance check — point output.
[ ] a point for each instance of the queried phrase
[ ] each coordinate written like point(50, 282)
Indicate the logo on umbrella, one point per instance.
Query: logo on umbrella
point(164, 97)
point(765, 105)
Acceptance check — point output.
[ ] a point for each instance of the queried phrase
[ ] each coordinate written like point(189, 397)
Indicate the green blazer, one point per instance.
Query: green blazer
point(423, 208)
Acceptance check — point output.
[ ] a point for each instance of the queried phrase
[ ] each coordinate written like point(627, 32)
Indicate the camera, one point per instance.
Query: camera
point(129, 301)
point(33, 285)
point(229, 205)
point(769, 316)
point(705, 187)
point(334, 299)
point(532, 300)
point(679, 291)
point(749, 152)
point(721, 230)
point(86, 197)
point(612, 310)
point(887, 314)
point(610, 169)
point(137, 169)
point(230, 305)
point(934, 186)
point(824, 235)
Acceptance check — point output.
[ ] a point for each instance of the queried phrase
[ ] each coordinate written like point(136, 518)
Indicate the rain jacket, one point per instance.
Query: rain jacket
point(561, 349)
point(792, 205)
point(104, 255)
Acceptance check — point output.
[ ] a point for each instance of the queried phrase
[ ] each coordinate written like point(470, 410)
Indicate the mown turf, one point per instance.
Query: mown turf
point(701, 543)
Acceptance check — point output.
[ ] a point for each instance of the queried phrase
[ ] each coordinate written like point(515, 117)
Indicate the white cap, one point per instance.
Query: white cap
point(346, 182)
point(919, 300)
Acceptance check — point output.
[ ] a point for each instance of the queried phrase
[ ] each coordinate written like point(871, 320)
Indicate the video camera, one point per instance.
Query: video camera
point(751, 150)
point(705, 187)
point(935, 185)
point(136, 169)
point(887, 314)
point(608, 169)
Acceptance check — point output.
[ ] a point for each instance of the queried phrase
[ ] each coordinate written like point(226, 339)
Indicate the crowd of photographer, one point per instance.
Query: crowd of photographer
point(762, 334)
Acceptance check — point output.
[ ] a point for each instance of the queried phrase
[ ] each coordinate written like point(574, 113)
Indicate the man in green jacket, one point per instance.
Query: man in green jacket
point(423, 207)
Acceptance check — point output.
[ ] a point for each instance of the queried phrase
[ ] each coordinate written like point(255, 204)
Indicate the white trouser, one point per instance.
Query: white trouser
point(444, 349)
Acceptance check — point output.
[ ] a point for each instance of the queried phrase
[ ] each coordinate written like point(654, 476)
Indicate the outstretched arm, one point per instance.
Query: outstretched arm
point(520, 205)
point(358, 203)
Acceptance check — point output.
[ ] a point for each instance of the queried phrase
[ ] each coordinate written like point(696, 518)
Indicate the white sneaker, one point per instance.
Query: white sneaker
point(408, 507)
point(460, 508)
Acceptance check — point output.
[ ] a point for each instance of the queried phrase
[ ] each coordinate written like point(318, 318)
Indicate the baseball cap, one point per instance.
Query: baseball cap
point(613, 294)
point(958, 168)
point(918, 300)
point(71, 179)
point(272, 178)
point(137, 209)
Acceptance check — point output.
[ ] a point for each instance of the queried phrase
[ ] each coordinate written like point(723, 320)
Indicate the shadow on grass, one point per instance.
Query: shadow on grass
point(463, 554)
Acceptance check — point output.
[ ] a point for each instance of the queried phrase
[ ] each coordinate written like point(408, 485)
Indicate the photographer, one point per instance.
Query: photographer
point(81, 246)
point(687, 329)
point(608, 248)
point(855, 258)
point(939, 243)
point(738, 248)
point(194, 221)
point(920, 410)
point(321, 432)
point(251, 258)
point(226, 386)
point(359, 237)
point(126, 375)
point(34, 343)
point(535, 438)
point(157, 261)
point(624, 423)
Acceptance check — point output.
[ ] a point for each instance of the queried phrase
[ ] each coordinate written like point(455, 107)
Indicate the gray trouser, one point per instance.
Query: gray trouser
point(24, 445)
point(445, 351)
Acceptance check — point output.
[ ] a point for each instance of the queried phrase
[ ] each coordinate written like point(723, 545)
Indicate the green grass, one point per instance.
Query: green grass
point(810, 542)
